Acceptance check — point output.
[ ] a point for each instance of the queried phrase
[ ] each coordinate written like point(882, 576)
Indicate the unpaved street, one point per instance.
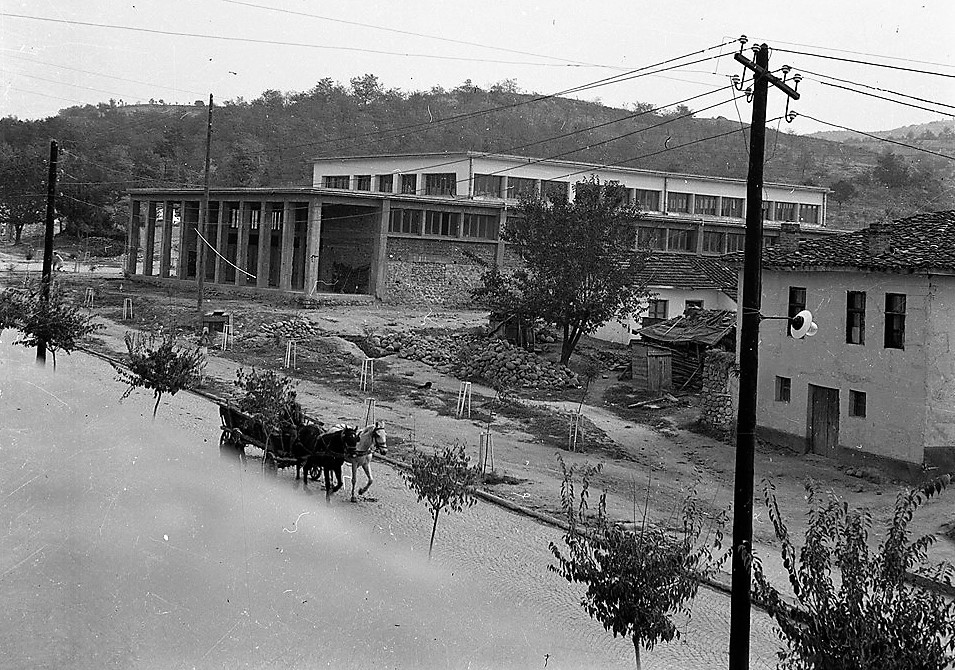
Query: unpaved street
point(129, 543)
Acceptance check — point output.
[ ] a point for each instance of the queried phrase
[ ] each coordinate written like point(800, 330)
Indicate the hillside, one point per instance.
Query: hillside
point(111, 147)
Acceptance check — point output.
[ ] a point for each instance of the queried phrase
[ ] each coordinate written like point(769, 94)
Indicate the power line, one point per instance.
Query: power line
point(253, 40)
point(620, 137)
point(862, 62)
point(882, 97)
point(17, 55)
point(880, 139)
point(615, 79)
point(561, 136)
point(857, 53)
point(662, 151)
point(876, 88)
point(415, 34)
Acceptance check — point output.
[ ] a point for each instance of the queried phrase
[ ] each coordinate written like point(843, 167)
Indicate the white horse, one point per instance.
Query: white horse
point(369, 438)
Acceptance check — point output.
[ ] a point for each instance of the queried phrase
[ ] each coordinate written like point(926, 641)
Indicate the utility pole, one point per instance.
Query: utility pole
point(204, 217)
point(46, 279)
point(749, 360)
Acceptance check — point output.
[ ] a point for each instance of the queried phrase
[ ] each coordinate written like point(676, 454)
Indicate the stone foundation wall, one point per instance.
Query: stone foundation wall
point(720, 392)
point(435, 272)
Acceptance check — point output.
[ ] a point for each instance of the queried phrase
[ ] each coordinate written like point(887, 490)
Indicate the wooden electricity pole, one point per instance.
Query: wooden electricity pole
point(749, 360)
point(46, 279)
point(204, 217)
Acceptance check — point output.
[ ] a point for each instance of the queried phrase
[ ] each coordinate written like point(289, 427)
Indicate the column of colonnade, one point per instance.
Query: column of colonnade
point(146, 220)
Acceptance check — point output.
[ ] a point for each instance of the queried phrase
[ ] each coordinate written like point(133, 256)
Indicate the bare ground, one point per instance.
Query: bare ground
point(640, 449)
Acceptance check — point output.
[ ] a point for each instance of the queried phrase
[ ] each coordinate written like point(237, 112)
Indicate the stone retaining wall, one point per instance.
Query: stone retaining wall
point(720, 392)
point(435, 272)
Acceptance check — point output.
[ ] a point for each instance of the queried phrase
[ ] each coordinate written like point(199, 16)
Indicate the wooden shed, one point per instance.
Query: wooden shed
point(652, 367)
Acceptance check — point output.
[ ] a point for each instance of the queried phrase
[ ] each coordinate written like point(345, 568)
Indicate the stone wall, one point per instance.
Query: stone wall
point(435, 272)
point(720, 393)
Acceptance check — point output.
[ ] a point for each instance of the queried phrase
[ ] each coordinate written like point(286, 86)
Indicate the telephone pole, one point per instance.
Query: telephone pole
point(740, 600)
point(203, 217)
point(46, 279)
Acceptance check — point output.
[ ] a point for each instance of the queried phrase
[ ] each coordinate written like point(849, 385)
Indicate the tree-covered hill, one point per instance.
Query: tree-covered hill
point(110, 147)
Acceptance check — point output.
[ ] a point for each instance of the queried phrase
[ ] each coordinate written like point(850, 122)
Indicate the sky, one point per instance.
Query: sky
point(183, 50)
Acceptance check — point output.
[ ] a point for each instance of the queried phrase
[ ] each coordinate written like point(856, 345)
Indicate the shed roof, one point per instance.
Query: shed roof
point(702, 326)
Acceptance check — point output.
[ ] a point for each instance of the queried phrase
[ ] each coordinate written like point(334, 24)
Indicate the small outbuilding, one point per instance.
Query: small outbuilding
point(686, 338)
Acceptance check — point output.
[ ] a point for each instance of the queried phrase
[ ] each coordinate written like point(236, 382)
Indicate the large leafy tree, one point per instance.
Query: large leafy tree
point(855, 608)
point(580, 262)
point(637, 580)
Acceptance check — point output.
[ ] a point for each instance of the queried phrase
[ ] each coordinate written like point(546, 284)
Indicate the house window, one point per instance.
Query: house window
point(651, 238)
point(362, 182)
point(797, 303)
point(335, 181)
point(405, 221)
point(648, 200)
point(518, 187)
point(692, 304)
point(441, 223)
point(895, 321)
point(483, 226)
point(735, 242)
point(440, 183)
point(786, 211)
point(386, 183)
point(656, 312)
point(784, 387)
point(409, 183)
point(768, 241)
point(487, 185)
point(706, 204)
point(732, 207)
point(678, 202)
point(713, 242)
point(555, 190)
point(856, 403)
point(681, 240)
point(767, 210)
point(855, 317)
point(809, 213)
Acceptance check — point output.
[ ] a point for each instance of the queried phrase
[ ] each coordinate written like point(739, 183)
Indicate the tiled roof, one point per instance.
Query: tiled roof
point(923, 241)
point(687, 271)
point(706, 326)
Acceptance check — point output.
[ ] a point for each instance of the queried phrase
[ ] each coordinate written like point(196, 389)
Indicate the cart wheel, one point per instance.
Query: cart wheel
point(230, 449)
point(271, 467)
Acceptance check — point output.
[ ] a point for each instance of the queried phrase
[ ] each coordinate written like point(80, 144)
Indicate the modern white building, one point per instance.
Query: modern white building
point(422, 228)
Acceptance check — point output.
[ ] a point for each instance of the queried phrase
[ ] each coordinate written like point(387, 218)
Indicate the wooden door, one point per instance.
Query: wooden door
point(659, 371)
point(822, 430)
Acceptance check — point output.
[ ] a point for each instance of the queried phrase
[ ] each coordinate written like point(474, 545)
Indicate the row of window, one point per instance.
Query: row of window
point(893, 332)
point(443, 224)
point(493, 186)
point(685, 239)
point(856, 398)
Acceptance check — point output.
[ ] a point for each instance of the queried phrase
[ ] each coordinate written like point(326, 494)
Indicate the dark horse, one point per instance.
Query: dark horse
point(316, 449)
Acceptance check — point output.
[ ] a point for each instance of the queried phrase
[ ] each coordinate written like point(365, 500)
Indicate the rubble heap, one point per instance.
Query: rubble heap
point(294, 329)
point(474, 357)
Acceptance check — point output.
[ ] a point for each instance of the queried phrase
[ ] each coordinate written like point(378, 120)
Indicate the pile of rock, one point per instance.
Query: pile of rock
point(474, 357)
point(293, 329)
point(437, 350)
point(502, 364)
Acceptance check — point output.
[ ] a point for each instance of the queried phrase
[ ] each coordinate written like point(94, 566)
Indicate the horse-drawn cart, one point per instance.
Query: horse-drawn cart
point(241, 430)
